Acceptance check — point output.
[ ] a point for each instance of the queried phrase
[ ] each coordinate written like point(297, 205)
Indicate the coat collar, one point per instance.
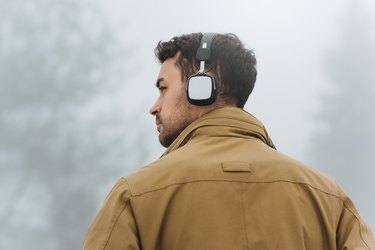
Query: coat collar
point(238, 123)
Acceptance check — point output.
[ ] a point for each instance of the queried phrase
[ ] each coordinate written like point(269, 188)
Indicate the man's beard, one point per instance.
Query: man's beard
point(169, 134)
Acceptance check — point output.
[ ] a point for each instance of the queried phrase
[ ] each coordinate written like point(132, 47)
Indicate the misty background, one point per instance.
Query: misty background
point(77, 81)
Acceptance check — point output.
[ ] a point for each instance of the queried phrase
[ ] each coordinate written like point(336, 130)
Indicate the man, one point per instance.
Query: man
point(220, 184)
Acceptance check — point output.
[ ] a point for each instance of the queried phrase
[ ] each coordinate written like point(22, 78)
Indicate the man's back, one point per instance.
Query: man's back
point(220, 186)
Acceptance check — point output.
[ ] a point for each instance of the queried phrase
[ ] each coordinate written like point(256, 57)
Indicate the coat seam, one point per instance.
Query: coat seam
point(114, 225)
point(358, 222)
point(240, 181)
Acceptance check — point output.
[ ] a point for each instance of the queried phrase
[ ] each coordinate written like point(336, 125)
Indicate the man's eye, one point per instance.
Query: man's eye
point(162, 89)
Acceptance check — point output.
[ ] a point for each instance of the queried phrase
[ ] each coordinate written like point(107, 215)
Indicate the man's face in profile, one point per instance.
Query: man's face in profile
point(172, 110)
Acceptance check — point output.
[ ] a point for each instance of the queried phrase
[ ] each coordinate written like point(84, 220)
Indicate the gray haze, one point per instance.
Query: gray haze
point(77, 80)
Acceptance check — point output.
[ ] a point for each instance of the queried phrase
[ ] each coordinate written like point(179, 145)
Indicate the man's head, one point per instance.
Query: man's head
point(232, 66)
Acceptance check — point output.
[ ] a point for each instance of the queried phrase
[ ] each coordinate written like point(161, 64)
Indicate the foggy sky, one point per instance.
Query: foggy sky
point(84, 137)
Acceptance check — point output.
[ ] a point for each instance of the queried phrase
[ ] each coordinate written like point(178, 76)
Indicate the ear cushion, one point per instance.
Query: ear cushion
point(201, 90)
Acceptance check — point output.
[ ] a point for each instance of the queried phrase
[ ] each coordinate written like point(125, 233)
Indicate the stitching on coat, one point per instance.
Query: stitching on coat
point(114, 225)
point(243, 181)
point(359, 224)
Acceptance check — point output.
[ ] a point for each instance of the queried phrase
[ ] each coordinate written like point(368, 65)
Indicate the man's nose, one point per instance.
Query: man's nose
point(155, 109)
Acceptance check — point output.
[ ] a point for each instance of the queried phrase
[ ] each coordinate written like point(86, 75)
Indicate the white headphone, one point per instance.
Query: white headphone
point(201, 88)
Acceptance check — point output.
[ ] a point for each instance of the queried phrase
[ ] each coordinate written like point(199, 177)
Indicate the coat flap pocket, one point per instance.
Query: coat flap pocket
point(236, 166)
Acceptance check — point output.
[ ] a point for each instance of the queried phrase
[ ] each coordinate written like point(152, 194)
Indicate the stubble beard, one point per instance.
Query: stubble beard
point(173, 125)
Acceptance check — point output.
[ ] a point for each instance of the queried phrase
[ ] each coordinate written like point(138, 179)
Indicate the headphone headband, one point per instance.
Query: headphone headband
point(201, 86)
point(204, 51)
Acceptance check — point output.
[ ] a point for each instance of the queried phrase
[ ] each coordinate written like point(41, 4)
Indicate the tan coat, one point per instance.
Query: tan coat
point(222, 185)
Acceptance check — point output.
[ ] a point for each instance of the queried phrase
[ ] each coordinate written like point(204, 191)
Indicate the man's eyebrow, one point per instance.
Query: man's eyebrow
point(157, 84)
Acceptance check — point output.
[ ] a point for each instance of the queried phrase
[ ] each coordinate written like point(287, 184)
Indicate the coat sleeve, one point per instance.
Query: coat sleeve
point(114, 226)
point(352, 231)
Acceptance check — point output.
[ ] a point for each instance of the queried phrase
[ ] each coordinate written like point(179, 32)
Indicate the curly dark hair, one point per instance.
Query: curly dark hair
point(232, 65)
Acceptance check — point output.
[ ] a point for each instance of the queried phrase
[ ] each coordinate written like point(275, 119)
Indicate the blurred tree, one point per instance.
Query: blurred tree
point(56, 148)
point(343, 147)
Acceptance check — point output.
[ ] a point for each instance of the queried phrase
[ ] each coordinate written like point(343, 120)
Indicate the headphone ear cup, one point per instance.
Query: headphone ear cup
point(201, 90)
